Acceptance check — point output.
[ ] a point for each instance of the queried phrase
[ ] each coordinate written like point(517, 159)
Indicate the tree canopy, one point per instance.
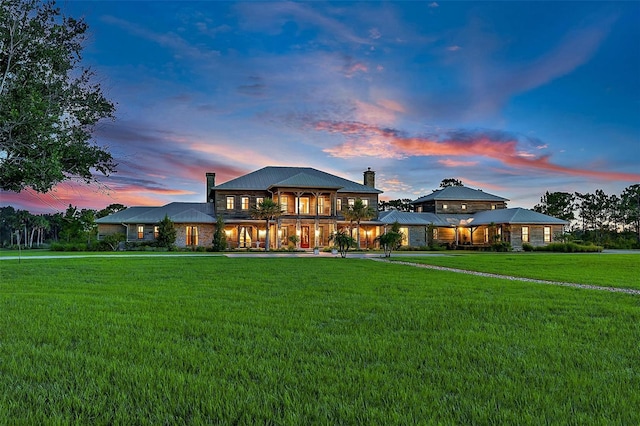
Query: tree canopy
point(450, 182)
point(267, 210)
point(49, 102)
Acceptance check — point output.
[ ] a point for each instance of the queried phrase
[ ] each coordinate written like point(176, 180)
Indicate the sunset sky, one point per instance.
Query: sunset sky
point(515, 98)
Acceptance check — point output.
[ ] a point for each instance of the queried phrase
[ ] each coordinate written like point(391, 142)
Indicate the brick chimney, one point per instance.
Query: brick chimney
point(211, 182)
point(370, 178)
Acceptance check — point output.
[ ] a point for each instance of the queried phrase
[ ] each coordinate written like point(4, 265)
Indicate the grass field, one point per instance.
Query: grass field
point(619, 270)
point(307, 341)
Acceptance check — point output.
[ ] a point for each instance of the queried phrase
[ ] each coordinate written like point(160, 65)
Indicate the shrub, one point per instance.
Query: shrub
point(527, 247)
point(501, 246)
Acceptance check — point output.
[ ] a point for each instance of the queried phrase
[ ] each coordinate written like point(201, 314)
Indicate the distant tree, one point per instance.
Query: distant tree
point(403, 205)
point(391, 239)
point(110, 209)
point(630, 208)
point(166, 233)
point(357, 213)
point(49, 103)
point(219, 237)
point(450, 182)
point(557, 204)
point(267, 210)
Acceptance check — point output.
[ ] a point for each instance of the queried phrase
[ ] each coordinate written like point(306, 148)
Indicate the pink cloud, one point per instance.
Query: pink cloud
point(457, 163)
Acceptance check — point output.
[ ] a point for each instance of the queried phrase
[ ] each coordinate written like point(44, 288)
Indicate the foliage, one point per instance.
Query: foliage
point(267, 210)
point(110, 209)
point(343, 240)
point(293, 241)
point(219, 236)
point(450, 182)
point(49, 103)
point(166, 234)
point(557, 204)
point(249, 345)
point(501, 246)
point(569, 248)
point(114, 240)
point(391, 239)
point(403, 205)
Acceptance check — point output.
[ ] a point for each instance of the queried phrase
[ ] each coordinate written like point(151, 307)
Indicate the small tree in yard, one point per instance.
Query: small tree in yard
point(391, 239)
point(114, 240)
point(166, 233)
point(343, 241)
point(267, 210)
point(219, 237)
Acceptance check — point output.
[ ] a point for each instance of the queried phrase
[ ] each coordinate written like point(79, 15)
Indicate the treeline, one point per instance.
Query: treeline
point(26, 230)
point(612, 221)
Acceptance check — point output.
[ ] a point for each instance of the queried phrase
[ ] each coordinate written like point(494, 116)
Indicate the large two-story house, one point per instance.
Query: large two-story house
point(312, 203)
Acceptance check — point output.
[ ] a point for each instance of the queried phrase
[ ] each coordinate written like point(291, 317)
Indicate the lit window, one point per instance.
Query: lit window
point(140, 232)
point(231, 201)
point(486, 235)
point(320, 205)
point(351, 202)
point(525, 234)
point(192, 235)
point(302, 203)
point(435, 233)
point(284, 203)
point(547, 234)
point(405, 236)
point(493, 206)
point(156, 231)
point(259, 200)
point(365, 203)
point(444, 206)
point(339, 204)
point(464, 207)
point(244, 203)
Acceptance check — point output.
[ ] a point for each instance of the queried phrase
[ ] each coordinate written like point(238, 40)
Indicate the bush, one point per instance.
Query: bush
point(501, 246)
point(527, 247)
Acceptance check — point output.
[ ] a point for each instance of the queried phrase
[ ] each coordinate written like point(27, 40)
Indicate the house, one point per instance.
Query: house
point(312, 202)
point(460, 216)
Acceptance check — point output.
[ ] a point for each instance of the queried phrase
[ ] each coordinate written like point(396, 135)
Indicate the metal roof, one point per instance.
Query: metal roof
point(177, 212)
point(504, 216)
point(273, 176)
point(459, 193)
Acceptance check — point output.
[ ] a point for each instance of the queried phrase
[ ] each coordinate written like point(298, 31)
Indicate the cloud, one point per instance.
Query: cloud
point(457, 163)
point(433, 5)
point(504, 147)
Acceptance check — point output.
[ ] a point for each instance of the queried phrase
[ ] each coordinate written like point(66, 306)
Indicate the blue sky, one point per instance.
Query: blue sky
point(515, 98)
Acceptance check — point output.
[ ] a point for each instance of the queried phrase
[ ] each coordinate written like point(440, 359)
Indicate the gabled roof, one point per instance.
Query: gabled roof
point(415, 218)
point(177, 212)
point(301, 177)
point(515, 216)
point(459, 193)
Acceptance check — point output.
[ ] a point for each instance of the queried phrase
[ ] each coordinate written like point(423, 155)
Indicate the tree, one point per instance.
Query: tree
point(219, 237)
point(343, 241)
point(166, 233)
point(403, 205)
point(49, 103)
point(391, 239)
point(450, 182)
point(630, 208)
point(557, 204)
point(110, 209)
point(267, 210)
point(357, 213)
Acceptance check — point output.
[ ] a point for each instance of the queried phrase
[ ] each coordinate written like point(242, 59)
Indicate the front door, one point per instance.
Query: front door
point(304, 240)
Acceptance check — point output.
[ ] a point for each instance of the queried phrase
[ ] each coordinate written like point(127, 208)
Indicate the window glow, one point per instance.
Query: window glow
point(231, 202)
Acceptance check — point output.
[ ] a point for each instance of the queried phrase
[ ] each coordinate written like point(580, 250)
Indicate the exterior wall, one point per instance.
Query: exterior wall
point(237, 212)
point(536, 235)
point(132, 235)
point(110, 229)
point(205, 234)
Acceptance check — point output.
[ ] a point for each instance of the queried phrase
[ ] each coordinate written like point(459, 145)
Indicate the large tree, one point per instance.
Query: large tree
point(358, 212)
point(557, 204)
point(630, 208)
point(49, 102)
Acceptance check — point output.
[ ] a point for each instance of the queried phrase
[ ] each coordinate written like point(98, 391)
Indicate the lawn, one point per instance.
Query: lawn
point(609, 270)
point(307, 341)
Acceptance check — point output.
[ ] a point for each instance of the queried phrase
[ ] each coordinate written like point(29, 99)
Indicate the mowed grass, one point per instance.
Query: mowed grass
point(307, 341)
point(609, 270)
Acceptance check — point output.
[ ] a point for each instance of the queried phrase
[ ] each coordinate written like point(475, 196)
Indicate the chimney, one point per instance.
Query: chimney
point(211, 182)
point(370, 178)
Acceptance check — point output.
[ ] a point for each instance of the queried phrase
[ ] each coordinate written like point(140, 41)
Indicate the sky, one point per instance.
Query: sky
point(514, 98)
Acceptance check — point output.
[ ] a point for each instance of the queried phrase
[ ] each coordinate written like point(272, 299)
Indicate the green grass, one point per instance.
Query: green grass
point(610, 270)
point(307, 341)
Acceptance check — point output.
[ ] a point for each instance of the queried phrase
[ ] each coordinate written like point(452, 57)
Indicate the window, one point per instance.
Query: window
point(365, 203)
point(156, 232)
point(464, 207)
point(320, 205)
point(547, 234)
point(302, 203)
point(435, 233)
point(444, 206)
point(259, 200)
point(140, 232)
point(405, 236)
point(231, 201)
point(284, 203)
point(351, 201)
point(493, 206)
point(192, 235)
point(486, 235)
point(525, 234)
point(244, 203)
point(339, 204)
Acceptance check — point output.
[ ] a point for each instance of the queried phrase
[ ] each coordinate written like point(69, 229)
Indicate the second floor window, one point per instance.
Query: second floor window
point(284, 203)
point(365, 203)
point(320, 205)
point(302, 204)
point(259, 200)
point(339, 204)
point(231, 201)
point(244, 203)
point(351, 202)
